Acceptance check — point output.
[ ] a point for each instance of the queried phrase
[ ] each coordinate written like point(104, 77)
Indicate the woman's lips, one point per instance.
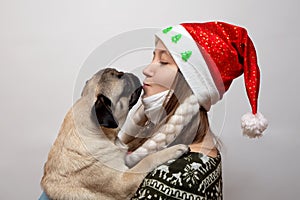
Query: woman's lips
point(145, 85)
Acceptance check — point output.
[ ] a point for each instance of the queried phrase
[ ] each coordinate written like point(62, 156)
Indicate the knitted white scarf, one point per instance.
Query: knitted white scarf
point(167, 132)
point(153, 105)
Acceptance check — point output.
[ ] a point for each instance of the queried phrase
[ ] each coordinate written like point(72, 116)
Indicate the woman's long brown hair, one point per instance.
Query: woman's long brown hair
point(181, 91)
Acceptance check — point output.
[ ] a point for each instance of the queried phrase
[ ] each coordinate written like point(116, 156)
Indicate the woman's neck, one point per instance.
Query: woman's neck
point(207, 146)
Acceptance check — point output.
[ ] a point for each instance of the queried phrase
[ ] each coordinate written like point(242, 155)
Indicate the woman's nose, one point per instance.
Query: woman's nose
point(149, 70)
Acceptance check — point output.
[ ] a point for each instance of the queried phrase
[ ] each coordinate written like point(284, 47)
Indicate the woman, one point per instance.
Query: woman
point(193, 66)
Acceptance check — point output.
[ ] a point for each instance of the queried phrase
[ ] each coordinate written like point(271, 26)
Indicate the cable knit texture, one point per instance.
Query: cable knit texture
point(168, 132)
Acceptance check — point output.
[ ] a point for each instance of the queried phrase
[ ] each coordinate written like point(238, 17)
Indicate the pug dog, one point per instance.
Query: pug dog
point(86, 161)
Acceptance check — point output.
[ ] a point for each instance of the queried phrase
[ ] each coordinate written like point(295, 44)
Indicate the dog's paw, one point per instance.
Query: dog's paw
point(180, 149)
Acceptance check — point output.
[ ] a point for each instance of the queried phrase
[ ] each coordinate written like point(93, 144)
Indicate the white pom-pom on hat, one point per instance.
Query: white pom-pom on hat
point(253, 125)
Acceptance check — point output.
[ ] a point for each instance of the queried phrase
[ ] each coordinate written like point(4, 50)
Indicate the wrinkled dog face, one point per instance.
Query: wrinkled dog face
point(116, 93)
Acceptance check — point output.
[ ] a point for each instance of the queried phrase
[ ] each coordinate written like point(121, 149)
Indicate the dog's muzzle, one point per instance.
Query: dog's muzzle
point(133, 88)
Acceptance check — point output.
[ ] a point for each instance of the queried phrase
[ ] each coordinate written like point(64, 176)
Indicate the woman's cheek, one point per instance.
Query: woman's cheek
point(165, 77)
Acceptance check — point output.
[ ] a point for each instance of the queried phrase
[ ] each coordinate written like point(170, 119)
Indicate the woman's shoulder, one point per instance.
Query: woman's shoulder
point(197, 157)
point(192, 161)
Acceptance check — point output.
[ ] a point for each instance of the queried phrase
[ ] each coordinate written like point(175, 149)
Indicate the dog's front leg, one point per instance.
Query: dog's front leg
point(132, 178)
point(151, 161)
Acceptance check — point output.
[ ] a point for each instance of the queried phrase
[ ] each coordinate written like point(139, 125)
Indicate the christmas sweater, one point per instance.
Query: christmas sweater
point(193, 176)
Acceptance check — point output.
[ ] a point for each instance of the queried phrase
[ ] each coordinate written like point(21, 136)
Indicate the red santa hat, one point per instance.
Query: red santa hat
point(210, 56)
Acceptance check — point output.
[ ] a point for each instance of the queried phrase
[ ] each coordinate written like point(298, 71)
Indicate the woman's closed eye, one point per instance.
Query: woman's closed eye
point(163, 62)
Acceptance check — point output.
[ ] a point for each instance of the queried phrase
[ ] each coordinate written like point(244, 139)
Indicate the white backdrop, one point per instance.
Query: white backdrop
point(43, 45)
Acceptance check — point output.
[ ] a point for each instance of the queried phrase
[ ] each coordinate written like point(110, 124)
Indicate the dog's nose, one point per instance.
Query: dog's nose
point(114, 73)
point(120, 74)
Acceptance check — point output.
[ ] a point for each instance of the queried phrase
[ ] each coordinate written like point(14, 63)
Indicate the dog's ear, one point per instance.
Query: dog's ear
point(103, 112)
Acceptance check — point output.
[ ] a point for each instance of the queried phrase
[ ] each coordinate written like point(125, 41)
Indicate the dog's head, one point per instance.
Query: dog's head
point(115, 93)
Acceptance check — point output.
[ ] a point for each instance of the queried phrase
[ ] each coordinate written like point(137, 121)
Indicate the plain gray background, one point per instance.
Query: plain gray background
point(43, 45)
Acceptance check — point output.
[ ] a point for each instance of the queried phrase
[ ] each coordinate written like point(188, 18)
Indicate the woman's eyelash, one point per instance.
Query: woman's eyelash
point(163, 62)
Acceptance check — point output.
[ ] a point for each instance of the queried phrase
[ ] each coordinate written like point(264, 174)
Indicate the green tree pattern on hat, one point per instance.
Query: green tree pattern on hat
point(166, 30)
point(176, 38)
point(186, 55)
